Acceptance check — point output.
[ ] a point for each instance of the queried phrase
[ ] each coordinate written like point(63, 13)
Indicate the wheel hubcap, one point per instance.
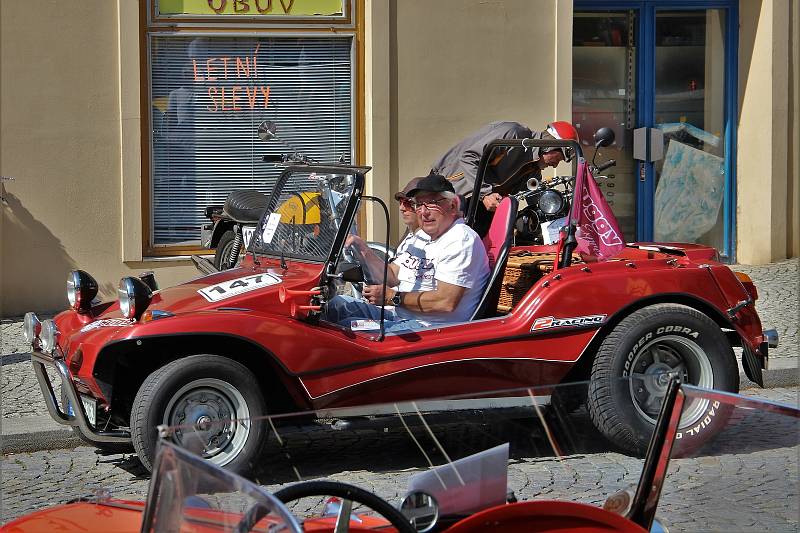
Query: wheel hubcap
point(211, 418)
point(660, 360)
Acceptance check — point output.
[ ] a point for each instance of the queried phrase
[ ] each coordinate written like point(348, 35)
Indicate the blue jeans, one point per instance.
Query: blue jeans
point(343, 310)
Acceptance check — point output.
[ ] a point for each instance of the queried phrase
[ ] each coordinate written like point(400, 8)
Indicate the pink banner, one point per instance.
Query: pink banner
point(598, 232)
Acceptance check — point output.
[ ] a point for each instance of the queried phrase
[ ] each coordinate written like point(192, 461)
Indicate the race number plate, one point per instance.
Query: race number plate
point(247, 234)
point(233, 287)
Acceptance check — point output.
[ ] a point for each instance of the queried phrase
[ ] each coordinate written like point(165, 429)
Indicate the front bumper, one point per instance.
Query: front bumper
point(79, 419)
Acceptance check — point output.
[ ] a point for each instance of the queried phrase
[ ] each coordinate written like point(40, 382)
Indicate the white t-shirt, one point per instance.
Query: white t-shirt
point(456, 257)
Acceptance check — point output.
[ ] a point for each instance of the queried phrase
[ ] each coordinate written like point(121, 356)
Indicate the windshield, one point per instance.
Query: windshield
point(305, 211)
point(464, 453)
point(744, 479)
point(442, 460)
point(189, 494)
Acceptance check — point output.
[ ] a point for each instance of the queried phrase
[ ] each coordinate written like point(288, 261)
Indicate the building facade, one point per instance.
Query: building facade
point(121, 121)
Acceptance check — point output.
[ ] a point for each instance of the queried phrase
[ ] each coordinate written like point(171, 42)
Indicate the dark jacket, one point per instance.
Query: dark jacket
point(460, 163)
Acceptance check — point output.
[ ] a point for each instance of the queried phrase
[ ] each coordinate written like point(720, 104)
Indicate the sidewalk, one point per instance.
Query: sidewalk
point(25, 424)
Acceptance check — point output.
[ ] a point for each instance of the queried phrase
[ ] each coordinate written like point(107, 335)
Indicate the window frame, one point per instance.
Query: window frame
point(349, 25)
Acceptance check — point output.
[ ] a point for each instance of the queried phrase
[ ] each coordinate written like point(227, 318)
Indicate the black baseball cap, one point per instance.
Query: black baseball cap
point(431, 183)
point(399, 195)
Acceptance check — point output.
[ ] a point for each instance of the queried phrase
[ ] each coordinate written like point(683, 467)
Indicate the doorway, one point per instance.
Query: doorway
point(662, 75)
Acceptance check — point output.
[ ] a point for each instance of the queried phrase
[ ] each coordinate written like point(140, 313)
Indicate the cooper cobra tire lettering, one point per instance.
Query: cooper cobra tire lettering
point(623, 400)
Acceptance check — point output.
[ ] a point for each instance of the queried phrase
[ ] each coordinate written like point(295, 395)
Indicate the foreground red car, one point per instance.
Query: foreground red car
point(252, 340)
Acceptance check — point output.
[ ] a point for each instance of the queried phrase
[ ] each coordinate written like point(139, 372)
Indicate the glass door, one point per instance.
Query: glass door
point(662, 74)
point(604, 56)
point(689, 110)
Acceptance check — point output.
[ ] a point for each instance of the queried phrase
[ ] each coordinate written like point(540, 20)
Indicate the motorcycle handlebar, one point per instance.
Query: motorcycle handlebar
point(608, 164)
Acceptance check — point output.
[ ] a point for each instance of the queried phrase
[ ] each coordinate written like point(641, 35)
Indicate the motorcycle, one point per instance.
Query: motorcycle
point(233, 224)
point(547, 202)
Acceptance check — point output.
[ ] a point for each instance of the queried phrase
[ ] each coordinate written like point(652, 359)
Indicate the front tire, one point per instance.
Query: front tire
point(646, 348)
point(216, 400)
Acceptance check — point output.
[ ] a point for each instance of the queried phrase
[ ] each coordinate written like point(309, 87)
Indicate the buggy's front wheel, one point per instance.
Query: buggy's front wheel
point(214, 404)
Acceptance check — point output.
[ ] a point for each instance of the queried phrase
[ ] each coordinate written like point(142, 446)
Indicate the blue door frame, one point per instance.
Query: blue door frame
point(645, 99)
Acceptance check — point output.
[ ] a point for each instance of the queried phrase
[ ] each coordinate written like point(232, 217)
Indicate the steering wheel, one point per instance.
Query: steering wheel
point(348, 492)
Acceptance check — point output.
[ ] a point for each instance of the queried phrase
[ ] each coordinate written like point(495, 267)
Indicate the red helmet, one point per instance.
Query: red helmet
point(563, 131)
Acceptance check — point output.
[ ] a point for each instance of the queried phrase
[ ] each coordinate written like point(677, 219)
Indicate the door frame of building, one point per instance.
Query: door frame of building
point(645, 100)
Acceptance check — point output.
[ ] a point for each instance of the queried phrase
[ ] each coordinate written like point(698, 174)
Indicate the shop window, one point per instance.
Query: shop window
point(208, 93)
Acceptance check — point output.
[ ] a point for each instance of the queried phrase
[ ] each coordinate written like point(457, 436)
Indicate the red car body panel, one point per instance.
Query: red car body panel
point(327, 366)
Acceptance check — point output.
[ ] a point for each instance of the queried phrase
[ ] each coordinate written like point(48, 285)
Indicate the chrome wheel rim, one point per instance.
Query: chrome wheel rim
point(654, 365)
point(211, 418)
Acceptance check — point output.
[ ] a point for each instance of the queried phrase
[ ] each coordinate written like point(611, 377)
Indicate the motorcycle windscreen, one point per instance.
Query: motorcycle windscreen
point(304, 214)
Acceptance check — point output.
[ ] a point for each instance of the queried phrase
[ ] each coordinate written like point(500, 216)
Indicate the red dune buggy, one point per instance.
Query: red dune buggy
point(253, 340)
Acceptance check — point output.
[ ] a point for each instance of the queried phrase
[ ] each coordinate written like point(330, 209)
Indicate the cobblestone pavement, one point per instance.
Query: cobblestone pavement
point(747, 483)
point(778, 304)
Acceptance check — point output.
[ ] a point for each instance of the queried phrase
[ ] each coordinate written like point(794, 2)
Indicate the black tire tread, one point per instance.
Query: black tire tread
point(601, 404)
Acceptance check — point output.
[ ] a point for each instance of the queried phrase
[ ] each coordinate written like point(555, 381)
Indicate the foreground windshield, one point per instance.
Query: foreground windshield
point(304, 214)
point(744, 479)
point(188, 494)
point(468, 453)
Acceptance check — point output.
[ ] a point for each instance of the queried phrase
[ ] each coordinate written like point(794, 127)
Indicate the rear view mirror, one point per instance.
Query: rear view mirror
point(603, 137)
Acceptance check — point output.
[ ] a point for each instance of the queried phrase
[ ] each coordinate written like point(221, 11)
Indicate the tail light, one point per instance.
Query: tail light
point(748, 284)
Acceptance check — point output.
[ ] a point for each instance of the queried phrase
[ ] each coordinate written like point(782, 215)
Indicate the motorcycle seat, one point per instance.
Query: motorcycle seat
point(245, 206)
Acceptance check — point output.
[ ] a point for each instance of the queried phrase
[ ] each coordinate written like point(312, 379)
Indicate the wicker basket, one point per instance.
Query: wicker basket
point(523, 269)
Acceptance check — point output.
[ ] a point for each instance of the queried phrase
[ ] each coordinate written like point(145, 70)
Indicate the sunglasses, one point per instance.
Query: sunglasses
point(430, 205)
point(406, 203)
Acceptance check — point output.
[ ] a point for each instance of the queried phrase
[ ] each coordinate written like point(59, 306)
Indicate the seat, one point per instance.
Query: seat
point(245, 206)
point(498, 241)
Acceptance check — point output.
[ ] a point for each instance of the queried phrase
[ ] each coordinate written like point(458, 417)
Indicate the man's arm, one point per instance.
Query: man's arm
point(444, 299)
point(374, 264)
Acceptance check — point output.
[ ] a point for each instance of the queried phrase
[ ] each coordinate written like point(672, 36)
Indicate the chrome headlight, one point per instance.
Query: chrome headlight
point(551, 202)
point(134, 297)
point(48, 336)
point(31, 327)
point(81, 290)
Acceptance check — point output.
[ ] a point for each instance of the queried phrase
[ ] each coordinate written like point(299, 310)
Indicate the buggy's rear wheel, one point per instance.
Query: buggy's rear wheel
point(647, 348)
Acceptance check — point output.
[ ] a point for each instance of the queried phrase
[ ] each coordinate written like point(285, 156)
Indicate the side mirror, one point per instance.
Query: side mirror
point(603, 137)
point(267, 130)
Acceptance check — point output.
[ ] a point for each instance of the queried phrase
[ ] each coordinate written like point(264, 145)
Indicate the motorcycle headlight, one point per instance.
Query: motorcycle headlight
point(31, 327)
point(81, 290)
point(551, 202)
point(134, 297)
point(48, 336)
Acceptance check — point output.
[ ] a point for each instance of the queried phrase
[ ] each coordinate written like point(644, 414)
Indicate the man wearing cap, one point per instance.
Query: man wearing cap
point(439, 274)
point(508, 170)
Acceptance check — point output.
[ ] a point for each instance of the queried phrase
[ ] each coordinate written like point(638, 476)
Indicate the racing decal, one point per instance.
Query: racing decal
point(233, 287)
point(107, 323)
point(548, 322)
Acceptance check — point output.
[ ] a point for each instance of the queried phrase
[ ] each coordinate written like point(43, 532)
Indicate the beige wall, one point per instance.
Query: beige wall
point(70, 121)
point(767, 206)
point(439, 70)
point(60, 125)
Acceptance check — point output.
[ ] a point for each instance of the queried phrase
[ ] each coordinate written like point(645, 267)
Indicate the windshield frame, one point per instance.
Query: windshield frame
point(357, 172)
